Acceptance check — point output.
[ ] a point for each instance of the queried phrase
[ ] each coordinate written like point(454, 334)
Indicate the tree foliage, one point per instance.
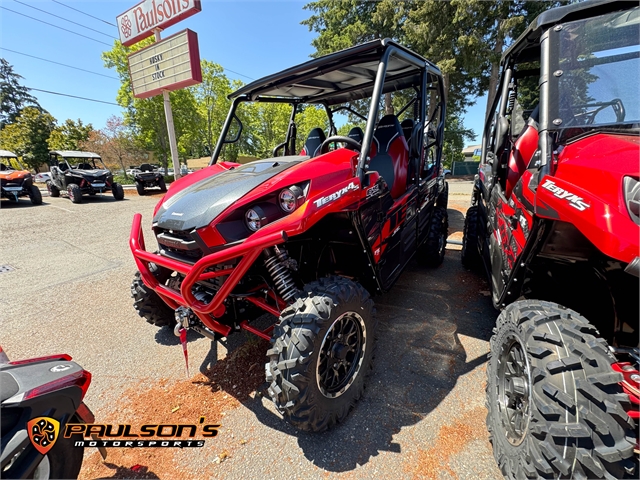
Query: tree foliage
point(27, 136)
point(13, 96)
point(69, 135)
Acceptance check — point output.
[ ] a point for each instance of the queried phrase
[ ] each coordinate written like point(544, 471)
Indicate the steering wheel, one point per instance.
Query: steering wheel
point(324, 148)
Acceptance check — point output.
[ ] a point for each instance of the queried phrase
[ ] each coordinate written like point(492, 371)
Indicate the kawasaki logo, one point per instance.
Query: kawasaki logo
point(336, 195)
point(574, 200)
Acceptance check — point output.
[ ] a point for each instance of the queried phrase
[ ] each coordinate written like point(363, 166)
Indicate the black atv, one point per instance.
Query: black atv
point(88, 176)
point(148, 176)
point(15, 180)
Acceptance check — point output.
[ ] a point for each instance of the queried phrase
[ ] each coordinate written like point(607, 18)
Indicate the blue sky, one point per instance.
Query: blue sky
point(252, 38)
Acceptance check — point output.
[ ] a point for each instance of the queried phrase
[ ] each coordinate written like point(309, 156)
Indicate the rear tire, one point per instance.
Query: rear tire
point(52, 189)
point(555, 405)
point(322, 353)
point(470, 254)
point(35, 195)
point(140, 189)
point(74, 192)
point(149, 305)
point(65, 459)
point(162, 185)
point(431, 253)
point(117, 191)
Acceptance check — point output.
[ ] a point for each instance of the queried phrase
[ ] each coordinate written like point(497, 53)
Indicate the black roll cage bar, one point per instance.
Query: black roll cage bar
point(426, 68)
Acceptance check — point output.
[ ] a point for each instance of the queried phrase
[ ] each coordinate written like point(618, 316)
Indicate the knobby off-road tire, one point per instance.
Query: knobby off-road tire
point(443, 198)
point(74, 192)
point(162, 185)
point(140, 189)
point(555, 407)
point(431, 253)
point(52, 189)
point(63, 461)
point(117, 191)
point(35, 195)
point(315, 376)
point(470, 255)
point(149, 305)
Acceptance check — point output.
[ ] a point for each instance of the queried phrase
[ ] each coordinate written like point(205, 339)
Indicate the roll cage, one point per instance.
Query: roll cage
point(85, 160)
point(365, 71)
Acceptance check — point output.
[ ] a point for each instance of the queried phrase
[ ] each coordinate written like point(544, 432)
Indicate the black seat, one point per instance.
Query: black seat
point(62, 167)
point(85, 166)
point(390, 155)
point(407, 129)
point(357, 134)
point(314, 142)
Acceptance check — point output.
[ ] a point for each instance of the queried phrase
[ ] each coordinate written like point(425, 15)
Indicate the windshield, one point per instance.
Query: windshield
point(10, 163)
point(86, 163)
point(598, 72)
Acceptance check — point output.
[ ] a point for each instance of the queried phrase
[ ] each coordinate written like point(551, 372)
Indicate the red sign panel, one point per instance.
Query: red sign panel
point(139, 22)
point(170, 64)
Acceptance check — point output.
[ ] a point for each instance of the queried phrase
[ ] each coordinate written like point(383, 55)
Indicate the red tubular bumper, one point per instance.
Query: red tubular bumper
point(249, 250)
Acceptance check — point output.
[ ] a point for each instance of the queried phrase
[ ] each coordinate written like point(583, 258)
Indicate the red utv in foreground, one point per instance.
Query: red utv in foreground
point(555, 222)
point(306, 237)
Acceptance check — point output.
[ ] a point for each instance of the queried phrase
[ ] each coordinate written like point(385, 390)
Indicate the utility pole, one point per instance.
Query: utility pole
point(168, 113)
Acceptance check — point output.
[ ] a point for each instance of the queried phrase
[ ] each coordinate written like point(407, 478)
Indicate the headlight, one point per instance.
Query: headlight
point(289, 198)
point(632, 198)
point(254, 218)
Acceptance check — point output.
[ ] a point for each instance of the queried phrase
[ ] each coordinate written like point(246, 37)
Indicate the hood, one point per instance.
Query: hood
point(599, 163)
point(15, 176)
point(199, 204)
point(99, 172)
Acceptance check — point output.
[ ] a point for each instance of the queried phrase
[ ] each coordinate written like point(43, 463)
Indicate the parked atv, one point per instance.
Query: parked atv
point(555, 222)
point(75, 173)
point(306, 237)
point(15, 180)
point(148, 176)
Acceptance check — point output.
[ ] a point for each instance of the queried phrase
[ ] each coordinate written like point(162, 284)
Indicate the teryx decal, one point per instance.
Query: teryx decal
point(336, 195)
point(574, 200)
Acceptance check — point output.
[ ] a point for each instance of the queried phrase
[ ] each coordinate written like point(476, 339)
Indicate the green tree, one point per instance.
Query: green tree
point(69, 135)
point(13, 96)
point(27, 136)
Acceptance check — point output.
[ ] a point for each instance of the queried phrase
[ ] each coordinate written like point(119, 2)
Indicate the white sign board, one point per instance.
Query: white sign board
point(139, 22)
point(170, 64)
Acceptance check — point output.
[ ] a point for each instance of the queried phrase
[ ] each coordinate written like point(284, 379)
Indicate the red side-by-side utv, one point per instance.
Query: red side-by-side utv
point(555, 223)
point(306, 237)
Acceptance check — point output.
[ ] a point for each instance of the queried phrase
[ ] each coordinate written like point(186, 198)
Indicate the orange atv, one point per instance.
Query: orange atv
point(15, 180)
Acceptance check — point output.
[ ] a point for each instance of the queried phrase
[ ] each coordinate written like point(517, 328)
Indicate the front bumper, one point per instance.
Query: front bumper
point(249, 251)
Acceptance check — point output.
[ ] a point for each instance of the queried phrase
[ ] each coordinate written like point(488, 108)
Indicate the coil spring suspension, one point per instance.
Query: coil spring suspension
point(276, 264)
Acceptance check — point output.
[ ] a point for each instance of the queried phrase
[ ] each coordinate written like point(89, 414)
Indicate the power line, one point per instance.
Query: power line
point(88, 15)
point(73, 96)
point(51, 24)
point(229, 70)
point(65, 19)
point(58, 63)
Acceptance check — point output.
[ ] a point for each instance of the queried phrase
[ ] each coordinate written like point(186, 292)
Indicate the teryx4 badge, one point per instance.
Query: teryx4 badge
point(574, 200)
point(43, 432)
point(336, 195)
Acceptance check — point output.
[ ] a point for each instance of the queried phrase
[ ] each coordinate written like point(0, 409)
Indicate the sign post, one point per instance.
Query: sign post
point(168, 64)
point(168, 113)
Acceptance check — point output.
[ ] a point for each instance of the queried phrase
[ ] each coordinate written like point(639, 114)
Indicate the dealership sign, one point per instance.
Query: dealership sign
point(170, 64)
point(140, 21)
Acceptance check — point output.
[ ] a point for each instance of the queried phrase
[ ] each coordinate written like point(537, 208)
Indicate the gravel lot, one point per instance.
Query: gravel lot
point(422, 415)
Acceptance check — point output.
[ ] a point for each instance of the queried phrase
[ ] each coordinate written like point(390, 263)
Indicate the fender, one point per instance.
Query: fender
point(611, 231)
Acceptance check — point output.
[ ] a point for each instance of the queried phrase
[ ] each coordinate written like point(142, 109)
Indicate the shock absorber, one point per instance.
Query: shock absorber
point(276, 264)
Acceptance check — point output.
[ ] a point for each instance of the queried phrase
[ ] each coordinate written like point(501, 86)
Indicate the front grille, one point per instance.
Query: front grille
point(179, 245)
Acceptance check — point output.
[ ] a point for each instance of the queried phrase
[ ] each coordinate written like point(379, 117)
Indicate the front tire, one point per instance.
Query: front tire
point(35, 195)
point(555, 405)
point(431, 253)
point(140, 189)
point(149, 305)
point(74, 192)
point(52, 189)
point(117, 191)
point(322, 353)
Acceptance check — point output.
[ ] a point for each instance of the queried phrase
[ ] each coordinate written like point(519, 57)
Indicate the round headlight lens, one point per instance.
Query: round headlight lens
point(253, 220)
point(288, 200)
